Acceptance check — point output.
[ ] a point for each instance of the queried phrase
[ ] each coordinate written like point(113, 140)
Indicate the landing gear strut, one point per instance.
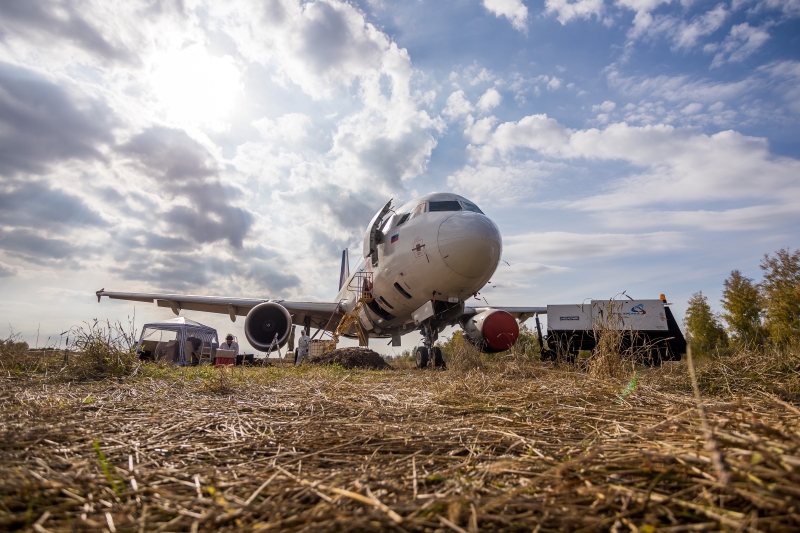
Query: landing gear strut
point(428, 351)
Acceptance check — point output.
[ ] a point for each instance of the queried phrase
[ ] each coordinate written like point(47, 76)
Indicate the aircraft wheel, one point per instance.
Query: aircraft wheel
point(422, 357)
point(438, 360)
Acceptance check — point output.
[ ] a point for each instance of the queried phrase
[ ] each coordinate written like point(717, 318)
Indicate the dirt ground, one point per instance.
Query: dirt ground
point(352, 358)
point(319, 448)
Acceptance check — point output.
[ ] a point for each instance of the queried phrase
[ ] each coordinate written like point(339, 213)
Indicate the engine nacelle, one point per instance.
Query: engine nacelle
point(492, 330)
point(263, 322)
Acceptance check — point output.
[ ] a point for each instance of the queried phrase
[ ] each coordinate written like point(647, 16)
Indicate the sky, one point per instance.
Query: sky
point(235, 148)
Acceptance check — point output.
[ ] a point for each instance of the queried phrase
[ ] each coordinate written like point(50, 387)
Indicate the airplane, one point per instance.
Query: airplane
point(419, 266)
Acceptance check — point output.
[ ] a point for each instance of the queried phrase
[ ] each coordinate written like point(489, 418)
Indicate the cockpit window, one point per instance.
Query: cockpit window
point(469, 206)
point(444, 205)
point(403, 218)
point(417, 211)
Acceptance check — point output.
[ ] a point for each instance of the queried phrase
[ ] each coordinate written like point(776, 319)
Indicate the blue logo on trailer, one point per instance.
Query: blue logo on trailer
point(638, 310)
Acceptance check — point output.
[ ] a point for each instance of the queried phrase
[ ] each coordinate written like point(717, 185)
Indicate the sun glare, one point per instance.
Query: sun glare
point(196, 88)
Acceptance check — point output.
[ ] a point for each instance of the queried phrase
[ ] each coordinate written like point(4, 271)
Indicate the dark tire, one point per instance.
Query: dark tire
point(422, 357)
point(438, 360)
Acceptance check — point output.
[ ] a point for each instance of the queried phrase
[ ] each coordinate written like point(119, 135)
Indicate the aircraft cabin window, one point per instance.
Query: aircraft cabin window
point(469, 206)
point(445, 205)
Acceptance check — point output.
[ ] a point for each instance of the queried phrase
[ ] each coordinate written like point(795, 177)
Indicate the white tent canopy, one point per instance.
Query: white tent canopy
point(183, 335)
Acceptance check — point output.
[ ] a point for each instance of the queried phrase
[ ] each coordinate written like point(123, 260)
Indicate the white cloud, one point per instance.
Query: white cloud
point(687, 34)
point(555, 246)
point(521, 85)
point(7, 270)
point(643, 18)
point(789, 8)
point(640, 6)
point(566, 10)
point(380, 147)
point(536, 132)
point(514, 10)
point(606, 107)
point(684, 34)
point(742, 42)
point(692, 109)
point(289, 127)
point(786, 76)
point(265, 162)
point(479, 132)
point(482, 76)
point(752, 218)
point(320, 46)
point(499, 183)
point(389, 139)
point(457, 105)
point(676, 165)
point(681, 88)
point(489, 100)
point(517, 275)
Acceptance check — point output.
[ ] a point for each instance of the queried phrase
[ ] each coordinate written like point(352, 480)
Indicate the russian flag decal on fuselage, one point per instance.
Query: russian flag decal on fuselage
point(395, 237)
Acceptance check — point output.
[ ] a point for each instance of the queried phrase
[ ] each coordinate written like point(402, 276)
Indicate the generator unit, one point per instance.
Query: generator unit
point(645, 328)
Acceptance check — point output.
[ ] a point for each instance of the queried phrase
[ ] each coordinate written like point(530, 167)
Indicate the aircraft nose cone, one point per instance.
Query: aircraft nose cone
point(470, 244)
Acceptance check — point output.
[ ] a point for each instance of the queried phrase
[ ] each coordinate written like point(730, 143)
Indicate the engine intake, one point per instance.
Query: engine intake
point(263, 322)
point(492, 330)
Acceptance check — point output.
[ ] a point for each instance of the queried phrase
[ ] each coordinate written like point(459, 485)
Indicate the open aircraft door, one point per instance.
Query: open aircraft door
point(373, 236)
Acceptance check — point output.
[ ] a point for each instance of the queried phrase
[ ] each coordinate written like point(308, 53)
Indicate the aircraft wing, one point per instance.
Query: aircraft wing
point(520, 313)
point(321, 314)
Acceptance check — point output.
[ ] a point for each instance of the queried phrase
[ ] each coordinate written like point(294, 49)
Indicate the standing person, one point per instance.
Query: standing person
point(302, 347)
point(230, 344)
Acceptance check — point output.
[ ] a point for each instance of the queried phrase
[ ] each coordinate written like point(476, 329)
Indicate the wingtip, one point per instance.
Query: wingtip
point(99, 294)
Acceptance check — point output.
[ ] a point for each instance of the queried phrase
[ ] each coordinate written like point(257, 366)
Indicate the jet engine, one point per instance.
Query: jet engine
point(491, 330)
point(264, 322)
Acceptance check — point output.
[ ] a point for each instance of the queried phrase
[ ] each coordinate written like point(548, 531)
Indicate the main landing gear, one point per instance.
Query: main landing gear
point(428, 353)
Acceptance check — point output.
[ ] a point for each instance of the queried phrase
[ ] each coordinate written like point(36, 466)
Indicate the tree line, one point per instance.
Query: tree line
point(754, 313)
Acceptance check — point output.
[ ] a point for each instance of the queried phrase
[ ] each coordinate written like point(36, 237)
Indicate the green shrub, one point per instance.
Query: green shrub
point(743, 310)
point(703, 330)
point(781, 293)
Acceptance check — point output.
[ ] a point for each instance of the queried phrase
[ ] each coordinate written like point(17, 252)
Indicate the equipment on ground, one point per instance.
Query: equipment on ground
point(179, 341)
point(645, 329)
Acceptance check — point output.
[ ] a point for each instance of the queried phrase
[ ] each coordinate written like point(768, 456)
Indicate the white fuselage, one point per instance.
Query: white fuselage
point(441, 256)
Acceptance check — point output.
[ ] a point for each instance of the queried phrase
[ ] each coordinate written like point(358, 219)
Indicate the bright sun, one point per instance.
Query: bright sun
point(196, 88)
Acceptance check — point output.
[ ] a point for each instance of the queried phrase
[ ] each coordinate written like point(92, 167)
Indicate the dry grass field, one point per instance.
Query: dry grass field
point(512, 445)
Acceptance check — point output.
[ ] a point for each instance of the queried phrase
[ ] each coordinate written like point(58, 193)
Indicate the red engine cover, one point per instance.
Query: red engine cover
point(500, 331)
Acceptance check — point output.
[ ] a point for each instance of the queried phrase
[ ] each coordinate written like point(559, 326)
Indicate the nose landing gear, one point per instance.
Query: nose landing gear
point(428, 353)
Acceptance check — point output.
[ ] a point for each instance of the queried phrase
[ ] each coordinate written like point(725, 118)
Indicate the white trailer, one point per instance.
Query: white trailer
point(646, 327)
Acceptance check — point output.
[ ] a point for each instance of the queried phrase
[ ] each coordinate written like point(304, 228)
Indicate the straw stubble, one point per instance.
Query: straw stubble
point(318, 449)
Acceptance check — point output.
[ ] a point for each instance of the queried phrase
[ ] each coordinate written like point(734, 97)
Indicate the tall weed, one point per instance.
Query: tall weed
point(100, 350)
